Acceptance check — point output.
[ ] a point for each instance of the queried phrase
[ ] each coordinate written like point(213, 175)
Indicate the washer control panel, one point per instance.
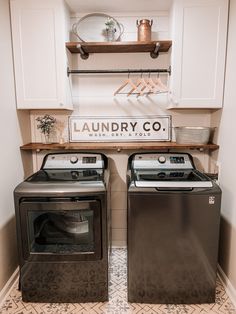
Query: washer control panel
point(73, 161)
point(162, 161)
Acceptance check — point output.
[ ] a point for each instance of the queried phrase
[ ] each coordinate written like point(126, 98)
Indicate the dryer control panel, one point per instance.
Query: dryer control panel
point(162, 161)
point(73, 161)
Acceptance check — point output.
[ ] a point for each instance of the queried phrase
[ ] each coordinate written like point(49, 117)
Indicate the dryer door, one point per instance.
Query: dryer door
point(61, 230)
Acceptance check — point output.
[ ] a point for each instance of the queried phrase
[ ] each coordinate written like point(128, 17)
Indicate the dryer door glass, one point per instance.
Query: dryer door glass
point(62, 229)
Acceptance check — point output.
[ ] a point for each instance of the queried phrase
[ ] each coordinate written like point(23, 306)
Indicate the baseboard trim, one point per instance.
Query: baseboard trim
point(119, 245)
point(230, 290)
point(6, 289)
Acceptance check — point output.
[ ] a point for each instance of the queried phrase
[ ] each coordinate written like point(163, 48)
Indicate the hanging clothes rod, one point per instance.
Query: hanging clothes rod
point(118, 71)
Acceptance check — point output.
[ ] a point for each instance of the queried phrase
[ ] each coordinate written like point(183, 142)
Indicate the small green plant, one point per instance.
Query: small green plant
point(46, 124)
point(110, 23)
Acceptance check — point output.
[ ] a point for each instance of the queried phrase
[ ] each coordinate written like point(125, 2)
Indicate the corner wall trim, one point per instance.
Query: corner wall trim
point(229, 288)
point(7, 288)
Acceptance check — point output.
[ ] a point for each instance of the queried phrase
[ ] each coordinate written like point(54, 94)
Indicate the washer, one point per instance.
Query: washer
point(63, 229)
point(173, 230)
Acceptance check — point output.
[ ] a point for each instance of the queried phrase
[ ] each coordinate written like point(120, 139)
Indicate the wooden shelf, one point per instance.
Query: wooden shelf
point(118, 46)
point(118, 146)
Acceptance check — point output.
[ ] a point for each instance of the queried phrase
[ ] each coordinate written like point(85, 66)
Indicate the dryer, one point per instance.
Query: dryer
point(173, 230)
point(63, 229)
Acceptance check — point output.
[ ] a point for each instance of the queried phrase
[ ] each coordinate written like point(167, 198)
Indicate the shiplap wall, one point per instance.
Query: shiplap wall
point(93, 96)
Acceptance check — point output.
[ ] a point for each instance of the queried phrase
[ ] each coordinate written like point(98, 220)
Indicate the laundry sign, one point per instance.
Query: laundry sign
point(111, 129)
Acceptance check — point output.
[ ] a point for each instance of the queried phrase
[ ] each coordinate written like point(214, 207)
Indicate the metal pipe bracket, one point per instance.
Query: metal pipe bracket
point(155, 53)
point(84, 55)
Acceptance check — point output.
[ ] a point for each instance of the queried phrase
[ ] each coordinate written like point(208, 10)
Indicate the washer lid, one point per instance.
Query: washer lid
point(59, 188)
point(171, 178)
point(61, 175)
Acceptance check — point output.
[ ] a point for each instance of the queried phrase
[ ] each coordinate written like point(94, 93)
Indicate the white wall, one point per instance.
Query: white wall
point(10, 157)
point(93, 96)
point(227, 154)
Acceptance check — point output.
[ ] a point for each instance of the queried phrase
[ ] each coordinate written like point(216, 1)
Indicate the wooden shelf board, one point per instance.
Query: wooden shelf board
point(118, 46)
point(118, 146)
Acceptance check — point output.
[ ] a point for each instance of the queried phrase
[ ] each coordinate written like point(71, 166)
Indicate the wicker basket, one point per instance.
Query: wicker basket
point(192, 135)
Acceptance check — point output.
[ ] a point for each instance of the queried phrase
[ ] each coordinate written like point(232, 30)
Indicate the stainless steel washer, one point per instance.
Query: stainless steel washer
point(63, 219)
point(173, 230)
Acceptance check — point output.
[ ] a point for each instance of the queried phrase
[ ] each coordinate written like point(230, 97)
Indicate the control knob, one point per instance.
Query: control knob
point(74, 159)
point(75, 175)
point(162, 159)
point(161, 175)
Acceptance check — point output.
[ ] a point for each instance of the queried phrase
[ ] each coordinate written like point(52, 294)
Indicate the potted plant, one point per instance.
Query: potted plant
point(110, 29)
point(46, 124)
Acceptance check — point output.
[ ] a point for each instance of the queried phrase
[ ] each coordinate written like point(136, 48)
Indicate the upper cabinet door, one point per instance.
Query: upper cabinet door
point(40, 60)
point(198, 53)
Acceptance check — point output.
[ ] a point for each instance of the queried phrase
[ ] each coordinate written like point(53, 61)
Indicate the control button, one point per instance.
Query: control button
point(162, 159)
point(74, 159)
point(74, 175)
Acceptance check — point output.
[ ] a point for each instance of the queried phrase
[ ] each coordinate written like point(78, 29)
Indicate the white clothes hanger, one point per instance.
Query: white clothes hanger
point(127, 82)
point(160, 87)
point(141, 85)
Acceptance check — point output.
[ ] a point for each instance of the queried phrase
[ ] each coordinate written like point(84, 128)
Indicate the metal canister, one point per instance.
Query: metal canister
point(144, 29)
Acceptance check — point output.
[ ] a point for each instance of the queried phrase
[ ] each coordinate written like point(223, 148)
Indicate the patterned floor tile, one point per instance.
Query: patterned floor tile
point(117, 299)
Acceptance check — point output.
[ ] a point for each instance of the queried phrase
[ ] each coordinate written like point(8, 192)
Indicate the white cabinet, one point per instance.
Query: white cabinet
point(198, 53)
point(39, 32)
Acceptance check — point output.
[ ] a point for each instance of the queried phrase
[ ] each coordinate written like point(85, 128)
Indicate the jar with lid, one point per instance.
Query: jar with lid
point(144, 29)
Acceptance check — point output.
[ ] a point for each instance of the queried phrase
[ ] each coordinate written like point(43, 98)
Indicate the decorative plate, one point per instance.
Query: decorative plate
point(95, 28)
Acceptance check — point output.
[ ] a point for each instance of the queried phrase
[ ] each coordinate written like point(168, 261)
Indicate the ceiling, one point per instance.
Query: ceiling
point(105, 6)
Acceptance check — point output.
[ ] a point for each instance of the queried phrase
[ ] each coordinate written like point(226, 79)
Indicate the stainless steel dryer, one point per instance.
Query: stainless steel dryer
point(173, 230)
point(62, 217)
